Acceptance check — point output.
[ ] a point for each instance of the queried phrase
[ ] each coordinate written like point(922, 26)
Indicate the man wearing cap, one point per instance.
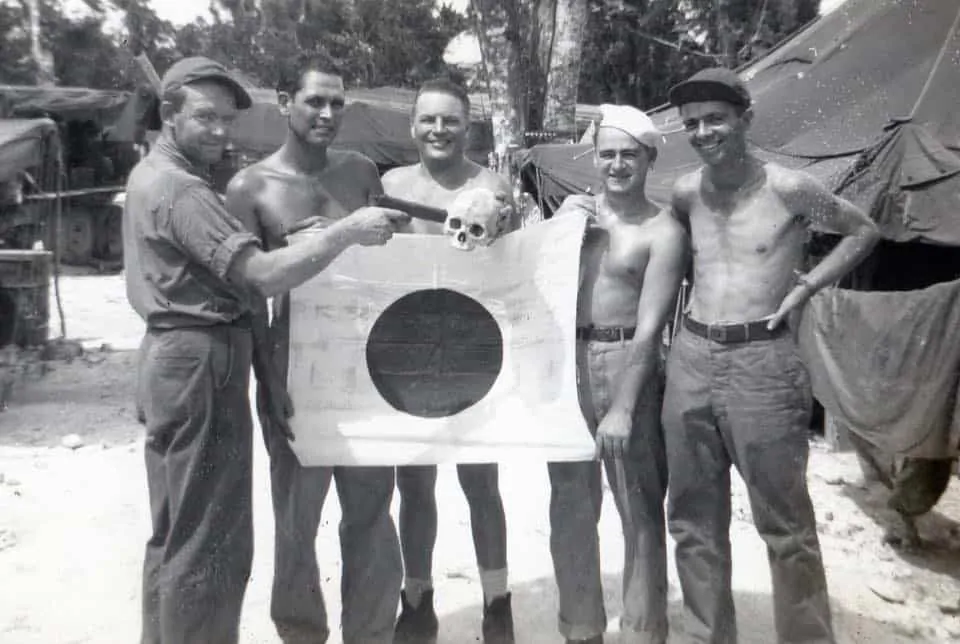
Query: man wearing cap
point(305, 180)
point(192, 271)
point(631, 266)
point(737, 392)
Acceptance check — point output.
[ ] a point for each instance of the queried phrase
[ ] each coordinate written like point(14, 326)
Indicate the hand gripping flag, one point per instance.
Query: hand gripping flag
point(419, 353)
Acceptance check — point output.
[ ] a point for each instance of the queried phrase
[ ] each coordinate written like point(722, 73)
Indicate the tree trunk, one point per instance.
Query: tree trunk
point(542, 31)
point(42, 59)
point(498, 26)
point(725, 35)
point(563, 74)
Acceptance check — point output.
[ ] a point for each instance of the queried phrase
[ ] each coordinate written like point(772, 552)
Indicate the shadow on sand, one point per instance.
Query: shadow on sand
point(535, 619)
point(940, 534)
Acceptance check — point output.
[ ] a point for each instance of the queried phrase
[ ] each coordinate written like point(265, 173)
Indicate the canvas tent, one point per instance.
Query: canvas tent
point(71, 103)
point(881, 76)
point(865, 99)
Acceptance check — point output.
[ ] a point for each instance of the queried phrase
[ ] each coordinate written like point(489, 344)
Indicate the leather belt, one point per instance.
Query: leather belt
point(605, 334)
point(245, 322)
point(732, 333)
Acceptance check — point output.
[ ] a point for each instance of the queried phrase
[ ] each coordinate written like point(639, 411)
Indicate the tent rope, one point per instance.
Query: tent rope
point(936, 65)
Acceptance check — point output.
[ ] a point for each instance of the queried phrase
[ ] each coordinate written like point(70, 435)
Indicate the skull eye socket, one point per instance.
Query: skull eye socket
point(477, 230)
point(454, 223)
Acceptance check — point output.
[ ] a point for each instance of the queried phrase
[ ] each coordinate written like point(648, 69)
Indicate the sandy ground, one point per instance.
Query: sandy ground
point(73, 523)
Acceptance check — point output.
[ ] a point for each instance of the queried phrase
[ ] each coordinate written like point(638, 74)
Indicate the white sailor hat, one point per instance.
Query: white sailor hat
point(632, 121)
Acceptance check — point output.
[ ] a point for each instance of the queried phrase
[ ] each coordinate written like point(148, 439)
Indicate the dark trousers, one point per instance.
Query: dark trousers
point(369, 548)
point(745, 404)
point(638, 483)
point(194, 397)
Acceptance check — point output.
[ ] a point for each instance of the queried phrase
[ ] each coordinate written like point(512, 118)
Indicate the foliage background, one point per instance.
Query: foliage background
point(633, 50)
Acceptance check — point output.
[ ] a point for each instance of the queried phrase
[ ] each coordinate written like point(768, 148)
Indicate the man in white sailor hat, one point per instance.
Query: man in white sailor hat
point(633, 260)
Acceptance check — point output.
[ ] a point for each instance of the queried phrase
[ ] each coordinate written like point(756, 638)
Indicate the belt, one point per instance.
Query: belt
point(732, 333)
point(245, 321)
point(605, 334)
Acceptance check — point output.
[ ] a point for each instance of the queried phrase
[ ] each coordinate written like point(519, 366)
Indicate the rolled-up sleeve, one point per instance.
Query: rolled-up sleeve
point(205, 230)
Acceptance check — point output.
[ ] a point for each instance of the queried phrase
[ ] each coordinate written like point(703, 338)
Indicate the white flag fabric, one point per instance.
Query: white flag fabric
point(419, 353)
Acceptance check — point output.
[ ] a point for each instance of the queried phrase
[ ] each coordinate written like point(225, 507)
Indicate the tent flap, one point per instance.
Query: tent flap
point(909, 184)
point(887, 365)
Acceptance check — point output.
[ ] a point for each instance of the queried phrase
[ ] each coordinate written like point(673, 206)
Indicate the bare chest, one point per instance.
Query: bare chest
point(754, 227)
point(286, 201)
point(429, 194)
point(616, 254)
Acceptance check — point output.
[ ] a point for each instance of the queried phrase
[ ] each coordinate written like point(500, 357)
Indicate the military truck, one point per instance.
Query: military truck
point(101, 133)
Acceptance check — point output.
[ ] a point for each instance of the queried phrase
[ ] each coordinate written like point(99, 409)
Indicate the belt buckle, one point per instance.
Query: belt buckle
point(717, 333)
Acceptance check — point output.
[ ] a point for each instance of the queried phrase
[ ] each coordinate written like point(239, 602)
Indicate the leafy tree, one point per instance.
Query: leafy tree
point(637, 49)
point(16, 67)
point(406, 38)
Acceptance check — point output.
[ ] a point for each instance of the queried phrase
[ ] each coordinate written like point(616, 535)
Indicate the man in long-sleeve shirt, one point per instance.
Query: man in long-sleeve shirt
point(190, 269)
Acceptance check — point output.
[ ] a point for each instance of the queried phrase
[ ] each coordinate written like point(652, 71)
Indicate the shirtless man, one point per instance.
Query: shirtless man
point(441, 115)
point(737, 392)
point(632, 263)
point(300, 183)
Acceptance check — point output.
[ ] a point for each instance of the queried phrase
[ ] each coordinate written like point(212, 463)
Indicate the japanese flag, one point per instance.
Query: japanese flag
point(417, 352)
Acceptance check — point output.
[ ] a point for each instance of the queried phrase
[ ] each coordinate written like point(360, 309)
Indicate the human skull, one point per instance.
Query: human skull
point(474, 218)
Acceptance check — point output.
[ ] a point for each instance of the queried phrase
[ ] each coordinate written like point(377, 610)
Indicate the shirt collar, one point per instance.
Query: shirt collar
point(168, 150)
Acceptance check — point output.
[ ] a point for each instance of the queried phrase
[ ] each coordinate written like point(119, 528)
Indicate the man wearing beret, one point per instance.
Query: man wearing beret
point(737, 392)
point(631, 266)
point(191, 271)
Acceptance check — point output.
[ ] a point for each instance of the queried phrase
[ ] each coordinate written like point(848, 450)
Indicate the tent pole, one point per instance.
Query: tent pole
point(58, 219)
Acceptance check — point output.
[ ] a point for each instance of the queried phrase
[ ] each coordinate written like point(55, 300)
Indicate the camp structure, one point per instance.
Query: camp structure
point(29, 167)
point(865, 99)
point(863, 72)
point(99, 132)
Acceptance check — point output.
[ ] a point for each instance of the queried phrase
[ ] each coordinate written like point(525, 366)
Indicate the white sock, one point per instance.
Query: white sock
point(494, 584)
point(414, 589)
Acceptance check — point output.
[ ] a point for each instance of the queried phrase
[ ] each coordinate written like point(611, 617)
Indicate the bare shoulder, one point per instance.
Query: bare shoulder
point(685, 190)
point(249, 181)
point(491, 180)
point(802, 194)
point(666, 232)
point(793, 185)
point(397, 179)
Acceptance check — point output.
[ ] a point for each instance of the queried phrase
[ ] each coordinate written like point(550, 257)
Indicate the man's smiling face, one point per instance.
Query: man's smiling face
point(717, 130)
point(439, 128)
point(316, 110)
point(621, 160)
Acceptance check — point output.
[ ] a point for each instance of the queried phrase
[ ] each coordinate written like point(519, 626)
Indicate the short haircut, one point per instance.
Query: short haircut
point(291, 78)
point(444, 86)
